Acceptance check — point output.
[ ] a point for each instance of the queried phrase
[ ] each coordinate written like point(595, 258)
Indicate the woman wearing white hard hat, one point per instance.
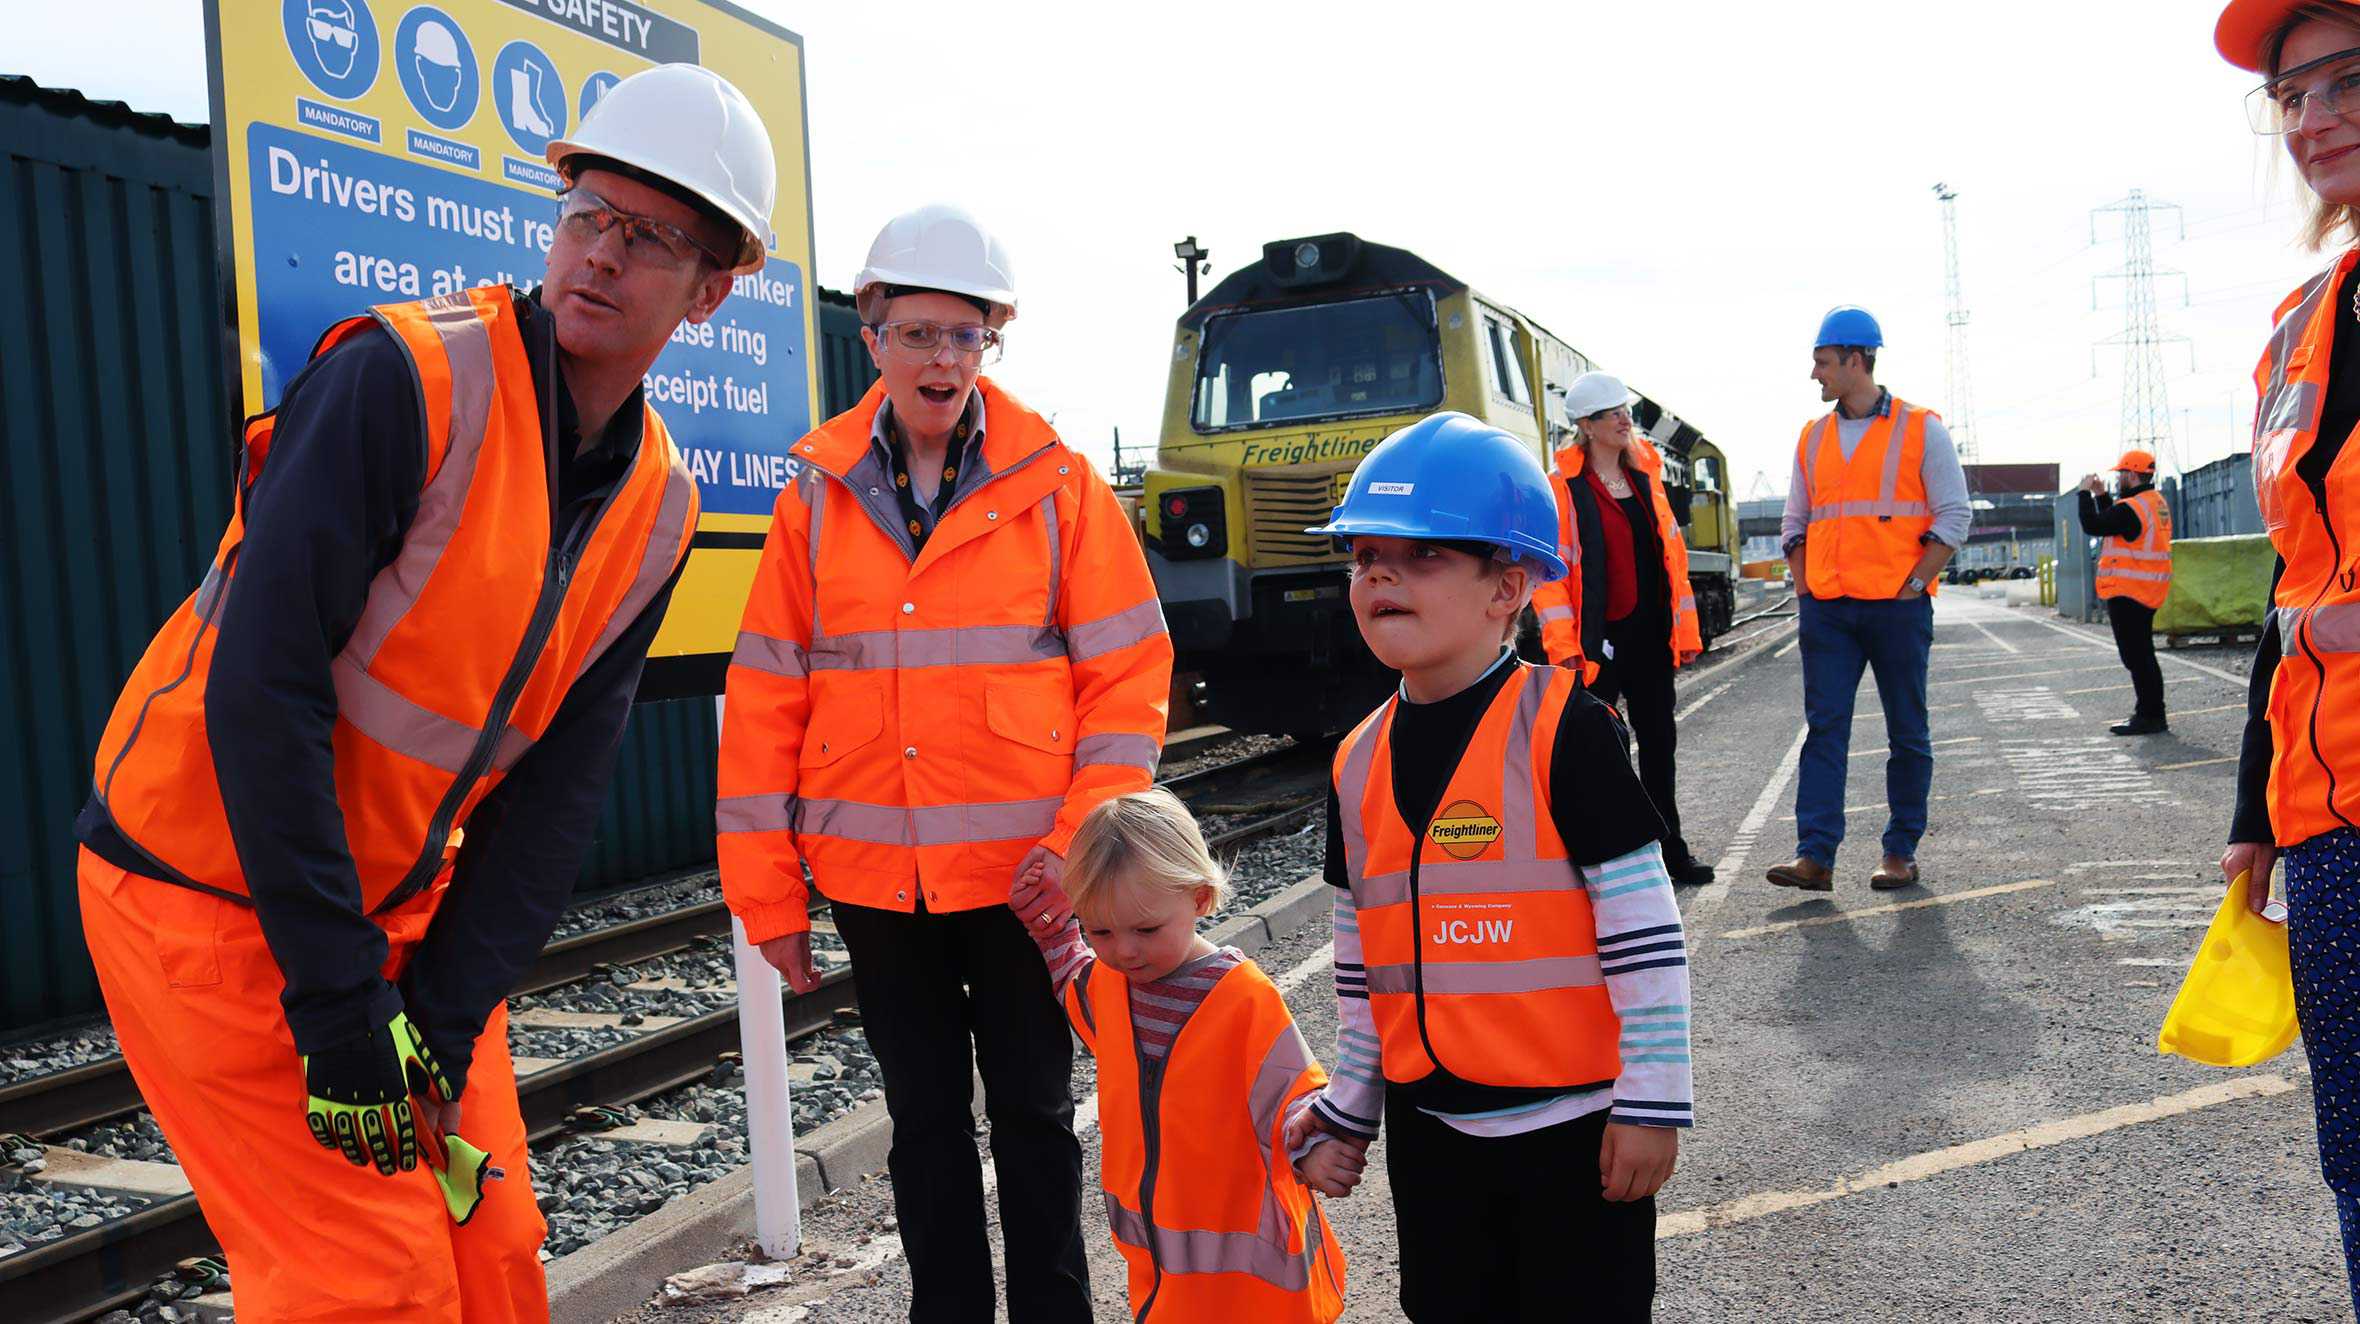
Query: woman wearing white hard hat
point(2298, 782)
point(1625, 615)
point(951, 654)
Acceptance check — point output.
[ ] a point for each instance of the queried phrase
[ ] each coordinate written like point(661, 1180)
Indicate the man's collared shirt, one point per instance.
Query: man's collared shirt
point(886, 445)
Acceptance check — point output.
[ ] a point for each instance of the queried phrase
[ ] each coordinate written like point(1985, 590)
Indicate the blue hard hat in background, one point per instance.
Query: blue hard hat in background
point(1849, 324)
point(1454, 478)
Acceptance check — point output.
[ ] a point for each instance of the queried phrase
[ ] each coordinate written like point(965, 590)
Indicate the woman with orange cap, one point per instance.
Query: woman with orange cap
point(2298, 787)
point(2134, 576)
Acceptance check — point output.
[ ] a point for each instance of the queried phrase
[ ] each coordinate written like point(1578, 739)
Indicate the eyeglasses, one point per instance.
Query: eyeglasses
point(1604, 414)
point(329, 29)
point(587, 217)
point(918, 341)
point(2277, 107)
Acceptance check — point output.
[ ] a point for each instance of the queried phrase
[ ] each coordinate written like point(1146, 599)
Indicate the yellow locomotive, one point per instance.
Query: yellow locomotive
point(1282, 377)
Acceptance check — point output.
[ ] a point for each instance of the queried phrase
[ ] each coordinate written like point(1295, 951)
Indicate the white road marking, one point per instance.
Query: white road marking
point(2217, 708)
point(1994, 638)
point(2067, 630)
point(2086, 865)
point(2037, 704)
point(1886, 749)
point(2195, 763)
point(1322, 959)
point(2023, 675)
point(2079, 774)
point(1790, 646)
point(2146, 960)
point(1936, 1162)
point(2114, 919)
point(1847, 916)
point(1709, 897)
point(1708, 696)
point(2101, 689)
point(1880, 806)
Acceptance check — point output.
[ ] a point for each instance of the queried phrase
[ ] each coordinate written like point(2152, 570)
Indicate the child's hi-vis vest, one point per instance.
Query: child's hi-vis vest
point(1205, 1205)
point(1481, 950)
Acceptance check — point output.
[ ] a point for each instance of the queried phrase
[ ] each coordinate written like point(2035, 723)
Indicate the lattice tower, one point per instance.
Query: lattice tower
point(1960, 415)
point(2146, 407)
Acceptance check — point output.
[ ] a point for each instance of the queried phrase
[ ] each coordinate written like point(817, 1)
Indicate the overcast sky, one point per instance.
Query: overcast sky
point(1679, 190)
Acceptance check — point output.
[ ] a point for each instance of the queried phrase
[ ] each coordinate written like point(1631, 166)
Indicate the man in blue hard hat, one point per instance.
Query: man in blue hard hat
point(1877, 506)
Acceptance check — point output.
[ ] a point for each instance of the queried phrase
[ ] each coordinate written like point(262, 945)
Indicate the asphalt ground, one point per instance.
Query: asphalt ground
point(1942, 1103)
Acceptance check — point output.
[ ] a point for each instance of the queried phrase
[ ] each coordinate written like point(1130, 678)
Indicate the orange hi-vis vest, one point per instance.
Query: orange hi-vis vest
point(2315, 697)
point(910, 729)
point(1205, 1206)
point(1481, 949)
point(1869, 514)
point(1559, 605)
point(467, 641)
point(2140, 568)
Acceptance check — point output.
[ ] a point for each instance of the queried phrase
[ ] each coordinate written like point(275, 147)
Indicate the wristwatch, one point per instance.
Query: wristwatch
point(1914, 584)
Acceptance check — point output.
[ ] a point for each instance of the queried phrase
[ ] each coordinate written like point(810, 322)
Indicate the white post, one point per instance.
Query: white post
point(770, 1118)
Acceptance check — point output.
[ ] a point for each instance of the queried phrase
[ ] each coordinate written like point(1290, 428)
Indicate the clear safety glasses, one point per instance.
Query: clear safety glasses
point(586, 217)
point(2276, 108)
point(918, 341)
point(1604, 414)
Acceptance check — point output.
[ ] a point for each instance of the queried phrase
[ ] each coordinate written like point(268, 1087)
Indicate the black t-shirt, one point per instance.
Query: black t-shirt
point(1600, 809)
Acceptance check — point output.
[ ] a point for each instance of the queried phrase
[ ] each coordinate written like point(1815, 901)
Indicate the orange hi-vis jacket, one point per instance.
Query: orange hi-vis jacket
point(1559, 605)
point(913, 729)
point(464, 649)
point(2315, 697)
point(2140, 568)
point(1481, 948)
point(1869, 514)
point(1203, 1199)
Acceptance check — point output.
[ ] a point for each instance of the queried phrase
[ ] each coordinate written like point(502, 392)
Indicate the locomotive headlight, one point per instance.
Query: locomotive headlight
point(1199, 535)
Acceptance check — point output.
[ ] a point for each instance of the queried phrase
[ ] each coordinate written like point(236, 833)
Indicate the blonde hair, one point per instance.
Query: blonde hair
point(1146, 840)
point(2326, 218)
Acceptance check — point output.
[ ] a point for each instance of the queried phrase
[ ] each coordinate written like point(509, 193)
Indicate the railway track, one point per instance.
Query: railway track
point(90, 1271)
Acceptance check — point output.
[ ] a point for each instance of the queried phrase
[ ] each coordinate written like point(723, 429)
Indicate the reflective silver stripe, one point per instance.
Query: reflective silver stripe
point(926, 825)
point(1177, 1251)
point(467, 345)
point(1814, 438)
point(1106, 634)
point(2127, 554)
point(1056, 557)
point(665, 544)
point(1275, 1079)
point(1687, 603)
point(206, 604)
point(815, 495)
point(2292, 407)
point(885, 650)
point(2290, 620)
point(1532, 976)
point(1457, 877)
point(1120, 749)
point(779, 657)
point(1556, 613)
point(1896, 433)
point(754, 813)
point(2121, 572)
point(1872, 509)
point(2334, 628)
point(391, 720)
point(1520, 826)
point(1352, 792)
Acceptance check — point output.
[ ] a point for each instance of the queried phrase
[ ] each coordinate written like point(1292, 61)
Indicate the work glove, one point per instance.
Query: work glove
point(462, 1170)
point(360, 1095)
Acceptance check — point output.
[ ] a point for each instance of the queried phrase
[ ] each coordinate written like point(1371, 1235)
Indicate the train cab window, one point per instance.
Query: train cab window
point(1507, 366)
point(1708, 474)
point(1377, 355)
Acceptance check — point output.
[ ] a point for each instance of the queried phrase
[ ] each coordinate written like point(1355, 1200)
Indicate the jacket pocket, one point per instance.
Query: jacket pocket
point(841, 722)
point(1031, 717)
point(188, 934)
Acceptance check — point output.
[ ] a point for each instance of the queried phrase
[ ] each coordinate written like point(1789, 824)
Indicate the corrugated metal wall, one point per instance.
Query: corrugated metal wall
point(117, 442)
point(2215, 500)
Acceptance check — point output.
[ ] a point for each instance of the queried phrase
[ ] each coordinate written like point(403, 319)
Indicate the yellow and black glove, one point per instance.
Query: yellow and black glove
point(360, 1092)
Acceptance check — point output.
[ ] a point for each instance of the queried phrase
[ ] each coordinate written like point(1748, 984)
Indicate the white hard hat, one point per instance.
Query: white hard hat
point(436, 45)
point(686, 124)
point(941, 247)
point(1593, 391)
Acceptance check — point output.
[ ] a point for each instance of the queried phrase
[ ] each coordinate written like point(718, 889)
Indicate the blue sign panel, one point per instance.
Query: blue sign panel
point(334, 43)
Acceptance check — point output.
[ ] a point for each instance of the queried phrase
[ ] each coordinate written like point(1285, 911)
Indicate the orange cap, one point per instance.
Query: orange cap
point(2138, 462)
point(2245, 26)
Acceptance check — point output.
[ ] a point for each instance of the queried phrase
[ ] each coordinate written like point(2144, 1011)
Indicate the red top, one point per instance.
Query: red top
point(1622, 563)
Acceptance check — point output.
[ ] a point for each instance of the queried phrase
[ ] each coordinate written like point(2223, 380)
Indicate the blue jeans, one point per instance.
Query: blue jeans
point(1840, 637)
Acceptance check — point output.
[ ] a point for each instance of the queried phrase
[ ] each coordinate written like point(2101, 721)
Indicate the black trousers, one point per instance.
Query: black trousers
point(1514, 1228)
point(1640, 674)
point(940, 996)
point(2134, 640)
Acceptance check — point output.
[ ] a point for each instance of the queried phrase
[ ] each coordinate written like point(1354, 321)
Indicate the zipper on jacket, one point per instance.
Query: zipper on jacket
point(1151, 1108)
point(900, 536)
point(2303, 642)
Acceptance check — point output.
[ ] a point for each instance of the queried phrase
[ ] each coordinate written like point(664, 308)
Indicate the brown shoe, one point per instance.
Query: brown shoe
point(1804, 874)
point(1895, 872)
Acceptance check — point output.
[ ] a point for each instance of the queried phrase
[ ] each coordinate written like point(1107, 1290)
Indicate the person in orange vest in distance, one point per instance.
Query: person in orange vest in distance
point(951, 654)
point(1213, 1218)
point(1624, 614)
point(1511, 974)
point(349, 787)
point(2134, 576)
point(1876, 507)
point(2298, 778)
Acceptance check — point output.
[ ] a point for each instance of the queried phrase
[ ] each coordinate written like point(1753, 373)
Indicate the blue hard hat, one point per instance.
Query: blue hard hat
point(1849, 324)
point(1448, 477)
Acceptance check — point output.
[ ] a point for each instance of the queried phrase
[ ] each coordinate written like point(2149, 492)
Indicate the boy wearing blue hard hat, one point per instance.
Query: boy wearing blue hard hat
point(1511, 976)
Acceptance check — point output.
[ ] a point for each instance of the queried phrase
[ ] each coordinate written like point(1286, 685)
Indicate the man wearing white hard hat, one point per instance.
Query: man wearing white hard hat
point(951, 654)
point(350, 785)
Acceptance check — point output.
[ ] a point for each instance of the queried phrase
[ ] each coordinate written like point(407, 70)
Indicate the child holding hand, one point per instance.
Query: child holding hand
point(1200, 1070)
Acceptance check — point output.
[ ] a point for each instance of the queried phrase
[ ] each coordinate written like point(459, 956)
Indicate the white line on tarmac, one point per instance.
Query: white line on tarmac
point(2101, 689)
point(1790, 646)
point(1880, 806)
point(1994, 638)
point(2086, 865)
point(1936, 1162)
point(2237, 680)
point(1310, 965)
point(1847, 916)
point(2216, 708)
point(2195, 763)
point(1708, 897)
point(1709, 695)
point(2024, 675)
point(1887, 749)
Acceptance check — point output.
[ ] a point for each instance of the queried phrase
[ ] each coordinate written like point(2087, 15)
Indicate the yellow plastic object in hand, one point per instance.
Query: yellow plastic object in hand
point(2236, 1007)
point(462, 1170)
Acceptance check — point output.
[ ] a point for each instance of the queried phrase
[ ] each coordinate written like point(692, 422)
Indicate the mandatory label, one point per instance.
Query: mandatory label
point(1464, 829)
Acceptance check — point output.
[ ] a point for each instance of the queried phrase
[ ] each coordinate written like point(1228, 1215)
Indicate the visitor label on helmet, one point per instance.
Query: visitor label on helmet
point(1463, 829)
point(1391, 489)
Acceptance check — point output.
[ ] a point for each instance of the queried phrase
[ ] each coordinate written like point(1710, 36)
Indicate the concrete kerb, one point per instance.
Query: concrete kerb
point(620, 1271)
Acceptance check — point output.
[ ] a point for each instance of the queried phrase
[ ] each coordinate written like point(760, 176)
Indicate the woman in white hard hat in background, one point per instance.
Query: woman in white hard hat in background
point(1625, 615)
point(951, 654)
point(2298, 782)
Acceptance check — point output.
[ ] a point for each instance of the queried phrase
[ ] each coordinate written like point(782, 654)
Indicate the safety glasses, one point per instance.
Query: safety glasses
point(587, 217)
point(918, 341)
point(2276, 107)
point(1604, 414)
point(333, 30)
